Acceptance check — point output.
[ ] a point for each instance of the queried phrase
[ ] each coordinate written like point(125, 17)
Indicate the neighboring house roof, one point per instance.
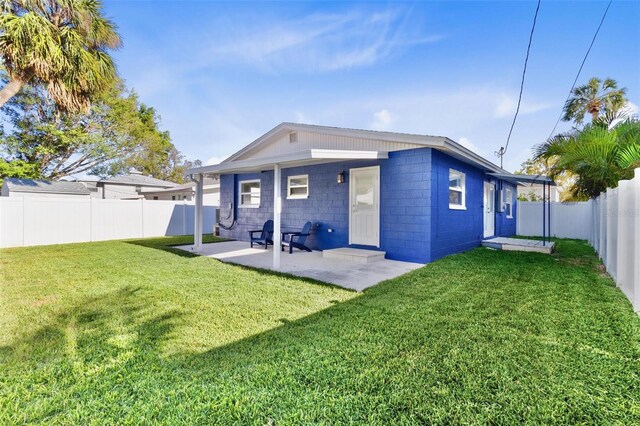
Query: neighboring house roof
point(45, 186)
point(208, 184)
point(345, 144)
point(136, 178)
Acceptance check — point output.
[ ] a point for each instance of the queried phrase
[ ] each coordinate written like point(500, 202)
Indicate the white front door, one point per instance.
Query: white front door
point(489, 209)
point(364, 199)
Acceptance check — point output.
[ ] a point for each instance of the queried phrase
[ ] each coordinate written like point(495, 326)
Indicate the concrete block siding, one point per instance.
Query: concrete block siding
point(416, 224)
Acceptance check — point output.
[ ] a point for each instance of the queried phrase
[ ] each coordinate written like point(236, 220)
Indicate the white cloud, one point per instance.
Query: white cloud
point(382, 120)
point(215, 160)
point(631, 109)
point(506, 105)
point(469, 145)
point(321, 42)
point(300, 117)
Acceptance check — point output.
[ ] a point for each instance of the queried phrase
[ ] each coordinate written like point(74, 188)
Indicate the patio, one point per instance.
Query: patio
point(345, 273)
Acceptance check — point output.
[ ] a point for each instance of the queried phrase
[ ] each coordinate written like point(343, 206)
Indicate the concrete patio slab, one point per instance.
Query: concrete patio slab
point(345, 273)
point(518, 244)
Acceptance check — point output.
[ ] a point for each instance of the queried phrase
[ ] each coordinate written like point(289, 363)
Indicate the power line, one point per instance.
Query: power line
point(503, 150)
point(581, 65)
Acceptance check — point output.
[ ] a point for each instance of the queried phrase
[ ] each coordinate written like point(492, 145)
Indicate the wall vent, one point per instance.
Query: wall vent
point(293, 137)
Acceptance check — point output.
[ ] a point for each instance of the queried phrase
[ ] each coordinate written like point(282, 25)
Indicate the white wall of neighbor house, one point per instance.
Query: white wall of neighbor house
point(173, 196)
point(111, 191)
point(536, 190)
point(31, 221)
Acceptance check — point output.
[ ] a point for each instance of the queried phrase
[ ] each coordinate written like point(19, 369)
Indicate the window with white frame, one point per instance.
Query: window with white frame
point(250, 193)
point(456, 190)
point(298, 186)
point(508, 203)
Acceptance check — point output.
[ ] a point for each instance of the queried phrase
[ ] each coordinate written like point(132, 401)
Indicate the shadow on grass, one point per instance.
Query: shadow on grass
point(168, 244)
point(447, 343)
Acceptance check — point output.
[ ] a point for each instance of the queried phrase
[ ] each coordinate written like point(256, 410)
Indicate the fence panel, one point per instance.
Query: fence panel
point(568, 220)
point(30, 221)
point(618, 237)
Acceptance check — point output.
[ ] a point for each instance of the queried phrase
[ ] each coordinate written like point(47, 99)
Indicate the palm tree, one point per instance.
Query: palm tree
point(598, 156)
point(593, 99)
point(61, 44)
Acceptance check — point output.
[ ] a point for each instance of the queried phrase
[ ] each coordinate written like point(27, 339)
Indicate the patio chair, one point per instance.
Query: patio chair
point(266, 235)
point(297, 239)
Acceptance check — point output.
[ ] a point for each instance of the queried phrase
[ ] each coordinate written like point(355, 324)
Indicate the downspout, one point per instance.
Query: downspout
point(232, 208)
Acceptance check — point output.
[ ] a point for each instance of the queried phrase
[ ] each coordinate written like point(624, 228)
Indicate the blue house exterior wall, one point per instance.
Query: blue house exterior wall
point(505, 226)
point(416, 224)
point(453, 231)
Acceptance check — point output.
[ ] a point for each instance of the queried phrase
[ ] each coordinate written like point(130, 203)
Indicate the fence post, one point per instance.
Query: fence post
point(622, 240)
point(142, 217)
point(635, 240)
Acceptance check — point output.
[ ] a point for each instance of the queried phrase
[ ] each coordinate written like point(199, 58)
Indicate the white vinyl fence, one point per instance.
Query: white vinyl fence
point(616, 235)
point(568, 220)
point(611, 224)
point(32, 221)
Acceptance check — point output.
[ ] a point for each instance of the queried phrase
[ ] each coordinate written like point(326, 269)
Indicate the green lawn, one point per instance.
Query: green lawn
point(135, 332)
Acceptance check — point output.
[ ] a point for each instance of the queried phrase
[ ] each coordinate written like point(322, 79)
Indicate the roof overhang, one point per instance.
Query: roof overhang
point(302, 158)
point(524, 179)
point(440, 143)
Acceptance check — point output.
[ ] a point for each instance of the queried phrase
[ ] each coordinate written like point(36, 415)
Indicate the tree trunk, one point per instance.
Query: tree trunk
point(10, 90)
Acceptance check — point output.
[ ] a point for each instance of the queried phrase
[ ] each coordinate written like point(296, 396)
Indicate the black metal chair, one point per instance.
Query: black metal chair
point(266, 235)
point(296, 239)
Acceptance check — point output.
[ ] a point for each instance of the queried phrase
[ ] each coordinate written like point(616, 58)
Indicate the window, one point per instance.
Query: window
point(173, 197)
point(456, 190)
point(298, 186)
point(155, 198)
point(293, 137)
point(508, 202)
point(250, 193)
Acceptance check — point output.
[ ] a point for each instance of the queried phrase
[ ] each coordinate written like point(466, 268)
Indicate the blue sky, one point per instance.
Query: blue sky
point(222, 74)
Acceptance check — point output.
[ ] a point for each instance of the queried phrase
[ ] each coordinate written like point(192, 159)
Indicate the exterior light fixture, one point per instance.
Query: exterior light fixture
point(340, 178)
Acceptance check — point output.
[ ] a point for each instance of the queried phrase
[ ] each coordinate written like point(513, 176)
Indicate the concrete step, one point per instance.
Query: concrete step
point(354, 255)
point(517, 244)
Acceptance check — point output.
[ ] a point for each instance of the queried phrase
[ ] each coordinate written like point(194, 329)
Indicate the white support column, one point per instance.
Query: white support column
point(197, 232)
point(277, 210)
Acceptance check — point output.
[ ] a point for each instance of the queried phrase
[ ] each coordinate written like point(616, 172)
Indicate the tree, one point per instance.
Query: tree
point(593, 99)
point(118, 132)
point(60, 44)
point(598, 156)
point(543, 166)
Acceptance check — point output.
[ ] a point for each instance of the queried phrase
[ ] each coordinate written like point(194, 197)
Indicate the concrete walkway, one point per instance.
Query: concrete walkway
point(345, 273)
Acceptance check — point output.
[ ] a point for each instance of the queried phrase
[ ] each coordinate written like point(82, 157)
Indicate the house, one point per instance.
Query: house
point(186, 191)
point(17, 187)
point(417, 198)
point(533, 192)
point(132, 186)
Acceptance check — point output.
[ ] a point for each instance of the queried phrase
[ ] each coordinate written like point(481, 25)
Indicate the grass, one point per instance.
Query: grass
point(137, 332)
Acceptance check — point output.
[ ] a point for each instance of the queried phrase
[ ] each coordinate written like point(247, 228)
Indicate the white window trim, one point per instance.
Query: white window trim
point(509, 200)
point(248, 206)
point(462, 189)
point(294, 197)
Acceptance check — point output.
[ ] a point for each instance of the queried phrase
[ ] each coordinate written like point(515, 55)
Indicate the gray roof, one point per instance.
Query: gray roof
point(183, 187)
point(139, 179)
point(45, 186)
point(519, 179)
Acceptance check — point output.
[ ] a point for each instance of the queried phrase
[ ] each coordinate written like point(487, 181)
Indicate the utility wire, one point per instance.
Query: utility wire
point(581, 65)
point(503, 150)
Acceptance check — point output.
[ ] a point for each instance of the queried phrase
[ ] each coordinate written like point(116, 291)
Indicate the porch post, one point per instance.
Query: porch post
point(197, 231)
point(277, 209)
